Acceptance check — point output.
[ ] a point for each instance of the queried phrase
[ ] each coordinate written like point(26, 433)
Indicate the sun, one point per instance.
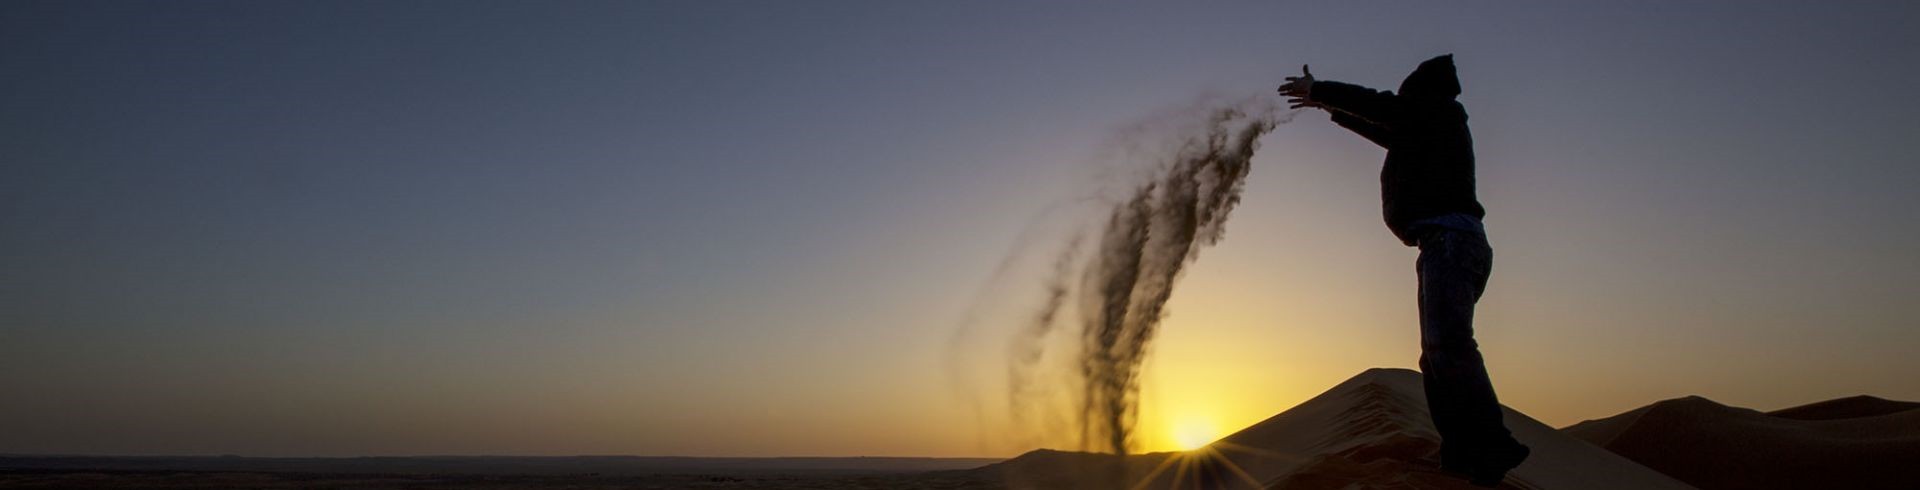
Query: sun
point(1192, 432)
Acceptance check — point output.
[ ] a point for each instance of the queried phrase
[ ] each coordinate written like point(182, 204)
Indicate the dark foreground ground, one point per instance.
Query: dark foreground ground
point(492, 473)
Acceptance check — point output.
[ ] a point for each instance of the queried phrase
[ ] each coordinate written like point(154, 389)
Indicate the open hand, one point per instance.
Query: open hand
point(1299, 90)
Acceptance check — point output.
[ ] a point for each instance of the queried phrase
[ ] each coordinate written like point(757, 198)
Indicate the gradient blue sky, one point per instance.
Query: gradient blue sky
point(750, 228)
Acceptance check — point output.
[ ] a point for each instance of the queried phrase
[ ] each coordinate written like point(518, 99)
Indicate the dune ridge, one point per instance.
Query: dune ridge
point(1857, 442)
point(1845, 408)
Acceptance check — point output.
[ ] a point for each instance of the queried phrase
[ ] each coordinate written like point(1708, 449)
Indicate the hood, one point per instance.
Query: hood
point(1434, 78)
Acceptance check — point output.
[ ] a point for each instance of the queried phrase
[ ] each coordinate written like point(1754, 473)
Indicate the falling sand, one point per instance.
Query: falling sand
point(1113, 281)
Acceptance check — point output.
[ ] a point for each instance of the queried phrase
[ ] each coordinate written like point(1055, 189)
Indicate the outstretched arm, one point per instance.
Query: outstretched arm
point(1353, 106)
point(1366, 129)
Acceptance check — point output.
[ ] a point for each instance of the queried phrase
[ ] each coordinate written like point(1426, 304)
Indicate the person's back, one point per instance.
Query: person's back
point(1428, 199)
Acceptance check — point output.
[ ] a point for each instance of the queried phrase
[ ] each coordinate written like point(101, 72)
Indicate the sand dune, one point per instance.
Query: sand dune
point(1845, 408)
point(1854, 443)
point(489, 472)
point(1371, 431)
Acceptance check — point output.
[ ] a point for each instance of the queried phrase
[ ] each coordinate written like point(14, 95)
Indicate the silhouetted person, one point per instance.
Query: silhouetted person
point(1427, 187)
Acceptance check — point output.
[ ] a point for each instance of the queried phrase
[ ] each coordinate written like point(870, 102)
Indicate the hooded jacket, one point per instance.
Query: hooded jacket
point(1429, 167)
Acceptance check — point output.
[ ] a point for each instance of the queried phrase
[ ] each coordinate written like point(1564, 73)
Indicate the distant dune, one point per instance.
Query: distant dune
point(1859, 442)
point(1371, 431)
point(1845, 408)
point(493, 465)
point(491, 472)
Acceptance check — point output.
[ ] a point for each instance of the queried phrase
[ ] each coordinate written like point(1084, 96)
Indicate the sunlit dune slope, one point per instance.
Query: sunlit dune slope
point(1371, 431)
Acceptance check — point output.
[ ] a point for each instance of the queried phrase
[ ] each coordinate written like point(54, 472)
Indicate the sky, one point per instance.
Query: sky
point(753, 228)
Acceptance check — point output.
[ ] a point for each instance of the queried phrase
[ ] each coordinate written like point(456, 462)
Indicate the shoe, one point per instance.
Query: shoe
point(1489, 473)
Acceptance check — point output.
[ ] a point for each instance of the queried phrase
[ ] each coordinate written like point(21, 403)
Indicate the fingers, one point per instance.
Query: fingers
point(1298, 86)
